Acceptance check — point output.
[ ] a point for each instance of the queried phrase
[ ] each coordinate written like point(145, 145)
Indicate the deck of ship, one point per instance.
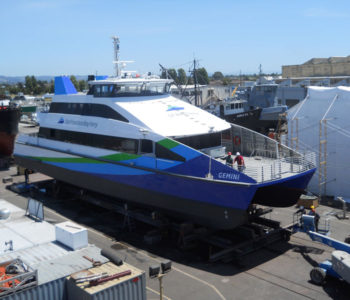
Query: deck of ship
point(264, 169)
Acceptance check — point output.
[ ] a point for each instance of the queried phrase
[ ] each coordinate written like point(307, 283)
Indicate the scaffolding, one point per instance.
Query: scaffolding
point(322, 156)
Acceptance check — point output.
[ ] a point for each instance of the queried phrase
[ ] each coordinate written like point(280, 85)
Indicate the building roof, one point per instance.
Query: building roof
point(35, 243)
point(332, 59)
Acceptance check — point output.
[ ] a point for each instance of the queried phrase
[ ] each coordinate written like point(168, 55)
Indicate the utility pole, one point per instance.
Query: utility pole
point(195, 83)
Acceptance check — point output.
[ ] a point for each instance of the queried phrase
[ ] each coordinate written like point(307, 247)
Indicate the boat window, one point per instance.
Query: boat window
point(146, 146)
point(105, 90)
point(130, 89)
point(89, 139)
point(87, 109)
point(165, 153)
point(232, 106)
point(228, 107)
point(202, 141)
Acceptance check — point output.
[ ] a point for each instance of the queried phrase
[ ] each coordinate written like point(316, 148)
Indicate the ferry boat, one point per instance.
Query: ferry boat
point(129, 138)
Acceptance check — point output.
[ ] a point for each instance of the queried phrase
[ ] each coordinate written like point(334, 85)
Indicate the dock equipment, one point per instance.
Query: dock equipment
point(339, 265)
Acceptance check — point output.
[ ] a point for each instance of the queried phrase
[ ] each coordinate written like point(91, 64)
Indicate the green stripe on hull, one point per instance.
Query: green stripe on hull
point(121, 156)
point(168, 143)
point(68, 159)
point(112, 157)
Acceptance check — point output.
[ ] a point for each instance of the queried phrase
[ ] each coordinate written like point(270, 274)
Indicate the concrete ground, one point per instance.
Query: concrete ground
point(279, 271)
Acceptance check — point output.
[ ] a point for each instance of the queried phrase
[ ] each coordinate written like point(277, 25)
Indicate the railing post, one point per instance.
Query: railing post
point(280, 168)
point(262, 174)
point(272, 177)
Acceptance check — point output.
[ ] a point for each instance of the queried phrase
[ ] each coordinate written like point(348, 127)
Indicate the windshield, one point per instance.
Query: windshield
point(130, 89)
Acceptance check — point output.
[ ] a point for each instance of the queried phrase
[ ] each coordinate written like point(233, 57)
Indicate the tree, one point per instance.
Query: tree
point(51, 87)
point(13, 89)
point(181, 76)
point(226, 81)
point(73, 79)
point(218, 75)
point(31, 84)
point(82, 85)
point(173, 75)
point(202, 76)
point(40, 87)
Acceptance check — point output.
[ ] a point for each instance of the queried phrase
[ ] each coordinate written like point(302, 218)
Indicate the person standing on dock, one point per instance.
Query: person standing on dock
point(316, 215)
point(240, 162)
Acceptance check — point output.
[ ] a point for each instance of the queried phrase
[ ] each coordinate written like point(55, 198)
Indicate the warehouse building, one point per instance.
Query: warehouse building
point(332, 66)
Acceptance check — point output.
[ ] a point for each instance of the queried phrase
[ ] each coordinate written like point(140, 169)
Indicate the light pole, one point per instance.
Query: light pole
point(159, 272)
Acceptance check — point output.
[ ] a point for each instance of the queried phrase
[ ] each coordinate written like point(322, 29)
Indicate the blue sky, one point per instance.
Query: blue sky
point(56, 37)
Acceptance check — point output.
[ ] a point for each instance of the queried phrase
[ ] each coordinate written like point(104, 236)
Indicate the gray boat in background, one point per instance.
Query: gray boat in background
point(261, 105)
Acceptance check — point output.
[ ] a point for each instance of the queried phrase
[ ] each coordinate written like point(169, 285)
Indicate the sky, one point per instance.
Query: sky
point(73, 37)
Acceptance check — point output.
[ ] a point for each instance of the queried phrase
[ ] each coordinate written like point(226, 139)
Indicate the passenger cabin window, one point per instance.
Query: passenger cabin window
point(146, 146)
point(93, 140)
point(87, 109)
point(202, 141)
point(130, 89)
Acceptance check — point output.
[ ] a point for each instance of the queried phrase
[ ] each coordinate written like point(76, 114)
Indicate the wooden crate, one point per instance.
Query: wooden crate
point(308, 201)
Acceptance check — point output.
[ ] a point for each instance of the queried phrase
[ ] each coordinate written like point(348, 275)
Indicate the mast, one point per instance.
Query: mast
point(116, 55)
point(260, 73)
point(195, 83)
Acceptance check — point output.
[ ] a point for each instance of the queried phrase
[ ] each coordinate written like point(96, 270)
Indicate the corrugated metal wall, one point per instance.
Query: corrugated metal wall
point(57, 290)
point(53, 290)
point(126, 290)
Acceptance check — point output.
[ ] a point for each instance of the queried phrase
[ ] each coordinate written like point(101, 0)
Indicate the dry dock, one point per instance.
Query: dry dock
point(279, 271)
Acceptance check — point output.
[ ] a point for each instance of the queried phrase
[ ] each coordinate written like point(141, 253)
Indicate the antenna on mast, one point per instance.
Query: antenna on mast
point(119, 64)
point(116, 55)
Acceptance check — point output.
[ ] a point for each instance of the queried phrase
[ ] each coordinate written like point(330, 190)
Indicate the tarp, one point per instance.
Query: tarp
point(333, 106)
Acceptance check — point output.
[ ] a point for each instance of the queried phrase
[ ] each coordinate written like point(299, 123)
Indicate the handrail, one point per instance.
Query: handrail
point(277, 168)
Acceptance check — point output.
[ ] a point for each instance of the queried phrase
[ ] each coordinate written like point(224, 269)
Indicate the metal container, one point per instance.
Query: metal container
point(130, 287)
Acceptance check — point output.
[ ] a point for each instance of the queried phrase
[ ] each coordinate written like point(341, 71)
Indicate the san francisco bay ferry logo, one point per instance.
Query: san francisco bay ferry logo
point(171, 108)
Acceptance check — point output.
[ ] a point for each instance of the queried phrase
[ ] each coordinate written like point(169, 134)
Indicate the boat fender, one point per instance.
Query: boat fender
point(112, 256)
point(237, 140)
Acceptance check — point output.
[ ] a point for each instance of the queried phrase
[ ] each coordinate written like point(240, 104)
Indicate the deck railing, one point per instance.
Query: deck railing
point(272, 159)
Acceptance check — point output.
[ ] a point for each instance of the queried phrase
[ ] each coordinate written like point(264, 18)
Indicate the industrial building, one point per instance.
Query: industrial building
point(332, 66)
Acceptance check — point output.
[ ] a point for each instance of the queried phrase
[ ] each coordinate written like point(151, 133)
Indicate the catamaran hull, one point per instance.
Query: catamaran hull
point(283, 193)
point(182, 203)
